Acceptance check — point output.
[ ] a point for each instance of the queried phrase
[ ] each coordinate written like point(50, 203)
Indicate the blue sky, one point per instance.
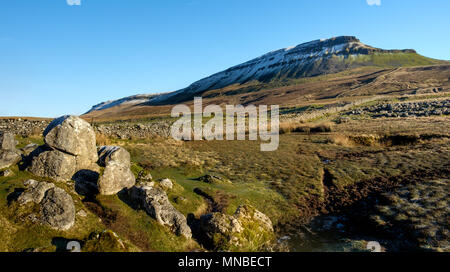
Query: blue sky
point(60, 59)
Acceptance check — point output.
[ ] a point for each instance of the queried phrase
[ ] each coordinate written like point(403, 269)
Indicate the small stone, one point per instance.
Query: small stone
point(166, 184)
point(81, 213)
point(6, 173)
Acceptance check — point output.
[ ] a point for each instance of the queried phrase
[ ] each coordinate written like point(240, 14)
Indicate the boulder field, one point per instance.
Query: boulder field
point(69, 154)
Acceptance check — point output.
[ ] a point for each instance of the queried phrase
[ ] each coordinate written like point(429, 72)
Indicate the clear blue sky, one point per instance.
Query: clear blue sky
point(59, 59)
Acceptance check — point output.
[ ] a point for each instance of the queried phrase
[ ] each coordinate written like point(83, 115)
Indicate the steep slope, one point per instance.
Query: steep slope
point(283, 68)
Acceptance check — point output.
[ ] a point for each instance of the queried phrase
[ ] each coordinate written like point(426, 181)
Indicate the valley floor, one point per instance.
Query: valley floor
point(363, 179)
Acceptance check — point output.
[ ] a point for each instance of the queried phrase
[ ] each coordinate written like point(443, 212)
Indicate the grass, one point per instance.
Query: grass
point(292, 126)
point(287, 185)
point(22, 234)
point(393, 60)
point(140, 229)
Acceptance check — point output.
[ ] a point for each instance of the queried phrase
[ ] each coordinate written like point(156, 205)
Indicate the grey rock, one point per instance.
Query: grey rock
point(241, 230)
point(144, 176)
point(156, 204)
point(72, 135)
point(246, 212)
point(6, 173)
point(115, 178)
point(54, 164)
point(29, 148)
point(220, 223)
point(113, 153)
point(58, 209)
point(166, 184)
point(35, 192)
point(9, 158)
point(81, 213)
point(7, 141)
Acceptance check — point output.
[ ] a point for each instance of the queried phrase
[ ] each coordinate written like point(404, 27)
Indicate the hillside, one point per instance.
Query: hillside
point(321, 69)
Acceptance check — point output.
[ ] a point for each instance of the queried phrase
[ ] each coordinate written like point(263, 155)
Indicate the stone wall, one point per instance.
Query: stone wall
point(121, 130)
point(23, 127)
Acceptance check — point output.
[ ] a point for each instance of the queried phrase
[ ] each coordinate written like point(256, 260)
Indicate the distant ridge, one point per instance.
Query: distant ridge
point(318, 57)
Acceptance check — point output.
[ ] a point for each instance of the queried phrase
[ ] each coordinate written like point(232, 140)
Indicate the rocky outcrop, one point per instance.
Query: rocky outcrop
point(247, 230)
point(6, 173)
point(117, 175)
point(156, 203)
point(69, 148)
point(8, 153)
point(57, 209)
point(70, 153)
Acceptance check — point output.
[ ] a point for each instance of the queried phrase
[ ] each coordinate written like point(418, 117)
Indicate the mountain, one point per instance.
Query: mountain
point(284, 67)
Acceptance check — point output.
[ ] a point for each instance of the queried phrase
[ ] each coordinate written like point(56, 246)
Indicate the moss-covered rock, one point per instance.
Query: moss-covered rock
point(246, 230)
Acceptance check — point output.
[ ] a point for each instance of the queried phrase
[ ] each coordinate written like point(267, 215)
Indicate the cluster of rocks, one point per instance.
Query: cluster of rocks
point(9, 155)
point(56, 206)
point(23, 127)
point(70, 153)
point(128, 130)
point(70, 147)
point(408, 109)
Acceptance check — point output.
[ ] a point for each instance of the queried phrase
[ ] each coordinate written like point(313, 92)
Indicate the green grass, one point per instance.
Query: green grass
point(22, 234)
point(392, 60)
point(141, 229)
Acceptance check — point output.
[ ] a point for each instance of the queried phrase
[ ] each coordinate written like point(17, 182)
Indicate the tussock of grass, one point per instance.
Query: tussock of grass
point(290, 127)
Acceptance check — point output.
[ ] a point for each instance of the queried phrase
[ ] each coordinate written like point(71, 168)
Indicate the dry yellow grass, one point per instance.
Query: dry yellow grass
point(292, 126)
point(342, 140)
point(102, 139)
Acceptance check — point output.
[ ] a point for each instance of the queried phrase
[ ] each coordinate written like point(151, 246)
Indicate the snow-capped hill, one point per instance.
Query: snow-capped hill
point(131, 100)
point(313, 58)
point(307, 59)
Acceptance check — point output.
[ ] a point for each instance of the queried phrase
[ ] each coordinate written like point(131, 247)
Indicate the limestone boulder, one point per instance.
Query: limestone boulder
point(166, 184)
point(9, 158)
point(35, 192)
point(246, 230)
point(56, 206)
point(156, 203)
point(58, 209)
point(72, 135)
point(113, 153)
point(54, 164)
point(115, 178)
point(7, 141)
